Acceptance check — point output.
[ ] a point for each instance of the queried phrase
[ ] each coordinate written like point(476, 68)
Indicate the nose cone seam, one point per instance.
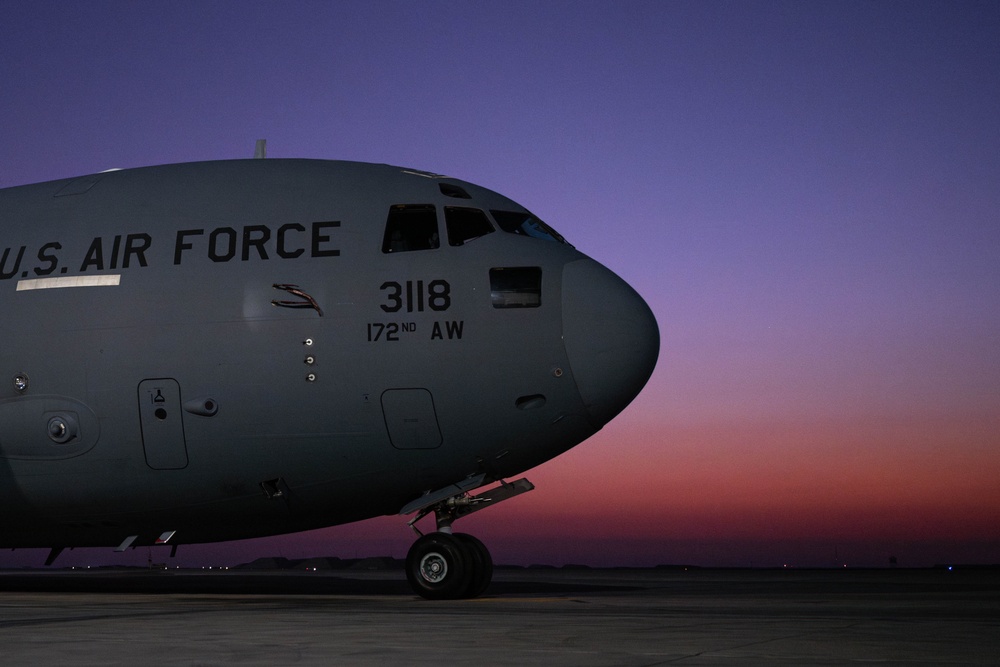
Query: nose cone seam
point(611, 338)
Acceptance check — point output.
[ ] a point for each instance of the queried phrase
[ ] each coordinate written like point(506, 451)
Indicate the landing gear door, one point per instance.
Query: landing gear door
point(410, 419)
point(162, 424)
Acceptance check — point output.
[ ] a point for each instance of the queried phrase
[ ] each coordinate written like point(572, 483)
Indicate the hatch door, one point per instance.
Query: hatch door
point(162, 424)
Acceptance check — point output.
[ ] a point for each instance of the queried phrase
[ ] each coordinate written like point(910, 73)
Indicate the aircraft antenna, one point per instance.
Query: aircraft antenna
point(260, 152)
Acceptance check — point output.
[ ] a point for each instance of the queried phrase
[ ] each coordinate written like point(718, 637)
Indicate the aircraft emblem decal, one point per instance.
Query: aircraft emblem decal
point(307, 300)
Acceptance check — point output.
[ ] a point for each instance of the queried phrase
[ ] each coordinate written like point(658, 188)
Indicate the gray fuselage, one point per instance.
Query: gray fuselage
point(241, 348)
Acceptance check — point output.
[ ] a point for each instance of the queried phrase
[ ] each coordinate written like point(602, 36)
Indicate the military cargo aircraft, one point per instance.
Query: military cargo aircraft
point(222, 350)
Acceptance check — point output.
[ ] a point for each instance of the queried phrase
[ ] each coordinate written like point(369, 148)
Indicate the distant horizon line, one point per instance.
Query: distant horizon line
point(384, 563)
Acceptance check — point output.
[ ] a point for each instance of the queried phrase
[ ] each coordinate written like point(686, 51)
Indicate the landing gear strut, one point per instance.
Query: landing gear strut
point(445, 565)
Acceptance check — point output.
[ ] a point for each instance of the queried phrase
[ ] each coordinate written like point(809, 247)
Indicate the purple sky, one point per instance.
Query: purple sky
point(806, 193)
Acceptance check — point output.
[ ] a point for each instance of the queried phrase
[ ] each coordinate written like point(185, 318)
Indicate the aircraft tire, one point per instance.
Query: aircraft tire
point(482, 564)
point(440, 567)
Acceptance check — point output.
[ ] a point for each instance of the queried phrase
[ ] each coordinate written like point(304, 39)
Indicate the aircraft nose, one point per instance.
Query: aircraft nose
point(611, 338)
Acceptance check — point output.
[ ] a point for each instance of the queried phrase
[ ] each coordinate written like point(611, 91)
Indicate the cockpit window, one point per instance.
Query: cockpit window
point(526, 224)
point(411, 227)
point(516, 287)
point(465, 224)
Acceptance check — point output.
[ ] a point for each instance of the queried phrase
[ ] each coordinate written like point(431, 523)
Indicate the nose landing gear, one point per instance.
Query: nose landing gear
point(449, 566)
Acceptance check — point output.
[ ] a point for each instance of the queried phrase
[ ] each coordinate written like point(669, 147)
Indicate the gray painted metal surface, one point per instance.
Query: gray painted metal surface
point(222, 350)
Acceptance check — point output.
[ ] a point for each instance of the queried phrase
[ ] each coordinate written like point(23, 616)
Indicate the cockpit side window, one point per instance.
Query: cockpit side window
point(526, 224)
point(411, 227)
point(465, 224)
point(516, 287)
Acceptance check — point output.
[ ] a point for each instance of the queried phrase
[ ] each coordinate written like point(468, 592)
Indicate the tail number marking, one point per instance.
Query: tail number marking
point(414, 296)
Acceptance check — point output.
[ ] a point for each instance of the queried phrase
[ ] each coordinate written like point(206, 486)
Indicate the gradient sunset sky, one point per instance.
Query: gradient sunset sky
point(806, 193)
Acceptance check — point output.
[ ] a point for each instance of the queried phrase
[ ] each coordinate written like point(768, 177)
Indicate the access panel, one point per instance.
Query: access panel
point(162, 424)
point(410, 419)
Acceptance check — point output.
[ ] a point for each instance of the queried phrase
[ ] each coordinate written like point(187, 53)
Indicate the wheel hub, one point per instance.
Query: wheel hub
point(433, 568)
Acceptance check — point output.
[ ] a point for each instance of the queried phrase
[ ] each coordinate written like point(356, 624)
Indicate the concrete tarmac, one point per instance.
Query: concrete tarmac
point(527, 617)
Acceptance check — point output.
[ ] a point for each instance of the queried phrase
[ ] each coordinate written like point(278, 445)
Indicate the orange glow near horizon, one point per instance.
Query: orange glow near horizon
point(880, 481)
